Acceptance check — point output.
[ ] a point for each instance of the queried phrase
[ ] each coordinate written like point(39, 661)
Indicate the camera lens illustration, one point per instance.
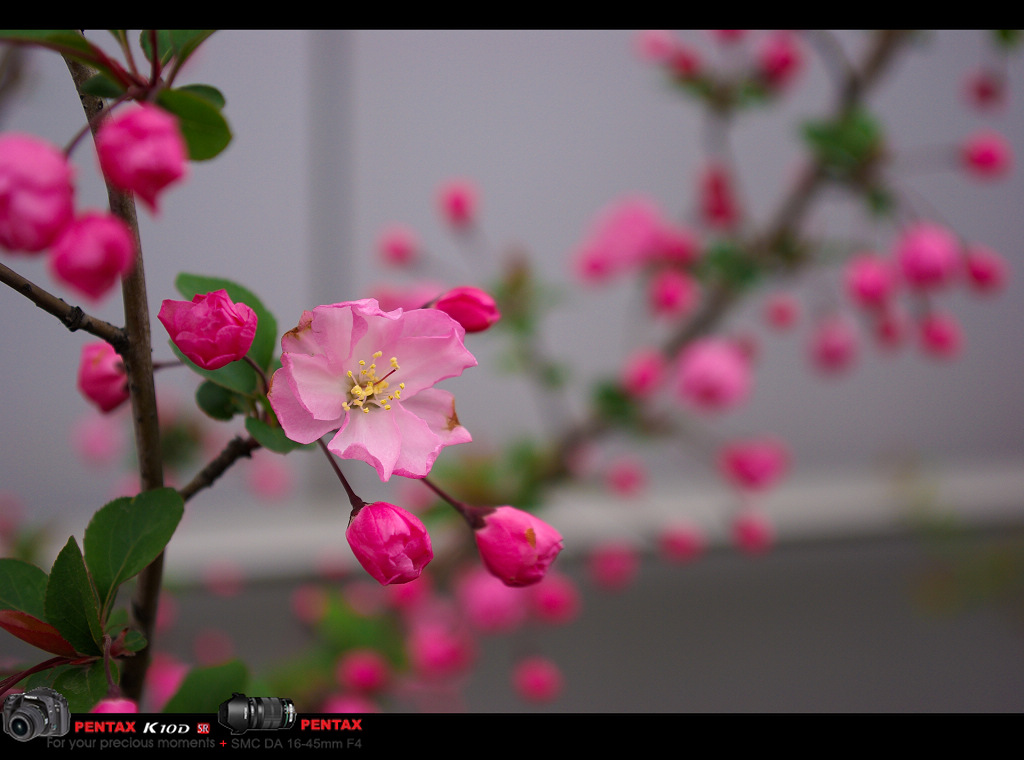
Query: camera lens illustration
point(241, 713)
point(37, 712)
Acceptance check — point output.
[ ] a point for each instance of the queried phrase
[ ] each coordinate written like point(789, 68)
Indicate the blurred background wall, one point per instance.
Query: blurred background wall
point(338, 134)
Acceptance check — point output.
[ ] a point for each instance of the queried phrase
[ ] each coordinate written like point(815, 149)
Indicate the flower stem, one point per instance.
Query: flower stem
point(354, 500)
point(472, 515)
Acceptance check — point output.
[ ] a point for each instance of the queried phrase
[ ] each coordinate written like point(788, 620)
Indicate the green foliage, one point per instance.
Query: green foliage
point(71, 604)
point(204, 128)
point(727, 262)
point(614, 405)
point(1007, 38)
point(178, 44)
point(218, 402)
point(272, 438)
point(846, 146)
point(203, 689)
point(83, 687)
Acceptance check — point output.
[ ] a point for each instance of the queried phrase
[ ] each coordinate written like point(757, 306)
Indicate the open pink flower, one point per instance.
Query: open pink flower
point(36, 193)
point(141, 150)
point(369, 374)
point(211, 329)
point(516, 546)
point(390, 543)
point(625, 233)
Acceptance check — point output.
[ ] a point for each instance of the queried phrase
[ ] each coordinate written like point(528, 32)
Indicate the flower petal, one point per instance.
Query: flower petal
point(372, 437)
point(320, 391)
point(294, 417)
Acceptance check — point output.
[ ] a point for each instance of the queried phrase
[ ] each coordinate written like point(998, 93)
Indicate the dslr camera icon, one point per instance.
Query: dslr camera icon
point(38, 712)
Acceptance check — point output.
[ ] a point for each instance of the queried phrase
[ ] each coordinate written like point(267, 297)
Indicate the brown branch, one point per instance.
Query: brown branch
point(237, 448)
point(72, 317)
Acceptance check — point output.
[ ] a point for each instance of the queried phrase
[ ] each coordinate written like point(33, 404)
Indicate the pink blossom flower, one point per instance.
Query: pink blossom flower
point(627, 233)
point(870, 280)
point(834, 344)
point(141, 150)
point(211, 329)
point(941, 336)
point(398, 246)
point(985, 89)
point(713, 376)
point(928, 255)
point(673, 244)
point(781, 311)
point(537, 679)
point(626, 477)
point(93, 253)
point(754, 464)
point(363, 670)
point(684, 62)
point(681, 542)
point(439, 650)
point(472, 308)
point(388, 415)
point(986, 154)
point(643, 372)
point(101, 376)
point(556, 599)
point(489, 605)
point(779, 59)
point(115, 705)
point(752, 532)
point(36, 193)
point(673, 294)
point(719, 207)
point(654, 45)
point(987, 271)
point(458, 202)
point(516, 546)
point(390, 543)
point(613, 566)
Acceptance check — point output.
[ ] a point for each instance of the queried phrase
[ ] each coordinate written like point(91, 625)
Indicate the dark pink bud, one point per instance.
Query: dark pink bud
point(517, 547)
point(987, 271)
point(714, 375)
point(752, 533)
point(754, 464)
point(556, 599)
point(985, 89)
point(681, 543)
point(488, 604)
point(471, 307)
point(928, 256)
point(390, 543)
point(781, 311)
point(779, 59)
point(537, 679)
point(458, 202)
point(941, 336)
point(613, 566)
point(643, 372)
point(93, 253)
point(363, 670)
point(719, 207)
point(673, 294)
point(684, 62)
point(141, 150)
point(398, 246)
point(211, 329)
point(36, 194)
point(119, 705)
point(870, 280)
point(987, 155)
point(834, 345)
point(101, 376)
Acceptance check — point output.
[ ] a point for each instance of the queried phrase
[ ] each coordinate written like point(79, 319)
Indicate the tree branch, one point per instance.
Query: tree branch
point(237, 448)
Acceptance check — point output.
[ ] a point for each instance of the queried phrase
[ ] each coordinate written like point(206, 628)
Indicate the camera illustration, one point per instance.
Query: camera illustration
point(38, 712)
point(241, 713)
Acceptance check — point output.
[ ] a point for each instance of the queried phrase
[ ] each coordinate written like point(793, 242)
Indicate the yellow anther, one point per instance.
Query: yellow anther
point(387, 406)
point(362, 363)
point(378, 354)
point(366, 410)
point(402, 386)
point(394, 362)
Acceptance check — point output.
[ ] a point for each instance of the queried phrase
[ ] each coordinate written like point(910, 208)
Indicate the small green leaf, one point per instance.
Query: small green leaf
point(218, 402)
point(23, 587)
point(237, 376)
point(126, 535)
point(205, 130)
point(615, 405)
point(272, 438)
point(71, 604)
point(204, 689)
point(163, 44)
point(82, 685)
point(207, 92)
point(726, 262)
point(102, 86)
point(67, 42)
point(265, 341)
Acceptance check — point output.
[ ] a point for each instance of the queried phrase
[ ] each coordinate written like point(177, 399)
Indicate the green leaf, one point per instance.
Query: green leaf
point(163, 44)
point(615, 405)
point(126, 535)
point(1007, 38)
point(205, 130)
point(185, 41)
point(82, 686)
point(218, 402)
point(207, 92)
point(71, 604)
point(102, 86)
point(68, 42)
point(23, 587)
point(204, 689)
point(237, 376)
point(729, 263)
point(847, 144)
point(265, 341)
point(272, 438)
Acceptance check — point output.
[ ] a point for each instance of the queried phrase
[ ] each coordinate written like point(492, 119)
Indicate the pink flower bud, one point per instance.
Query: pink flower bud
point(987, 271)
point(390, 543)
point(471, 307)
point(398, 246)
point(986, 155)
point(613, 566)
point(101, 376)
point(36, 194)
point(834, 345)
point(684, 62)
point(781, 311)
point(754, 464)
point(985, 89)
point(93, 253)
point(681, 543)
point(119, 705)
point(141, 150)
point(363, 670)
point(672, 244)
point(752, 532)
point(439, 650)
point(643, 372)
point(714, 376)
point(870, 280)
point(719, 207)
point(489, 605)
point(673, 294)
point(517, 547)
point(537, 679)
point(626, 477)
point(779, 59)
point(941, 336)
point(211, 330)
point(556, 599)
point(458, 202)
point(928, 256)
point(654, 45)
